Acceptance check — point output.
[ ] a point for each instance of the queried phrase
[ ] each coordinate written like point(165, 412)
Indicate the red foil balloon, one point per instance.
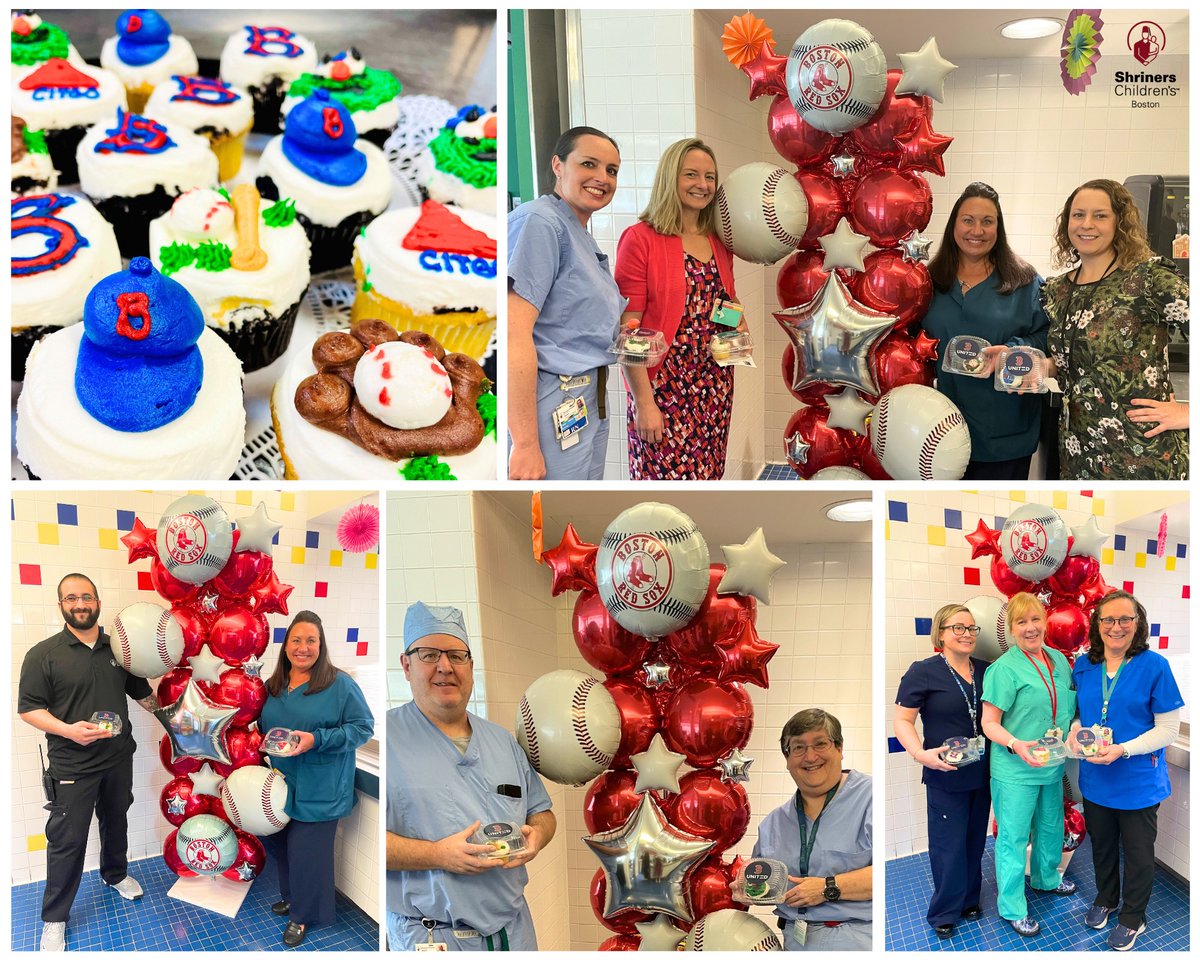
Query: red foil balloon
point(604, 643)
point(171, 856)
point(895, 116)
point(241, 572)
point(1007, 582)
point(167, 586)
point(238, 634)
point(746, 659)
point(171, 685)
point(828, 446)
point(194, 626)
point(236, 689)
point(720, 620)
point(889, 205)
point(1066, 627)
point(710, 888)
point(182, 788)
point(610, 800)
point(244, 746)
point(893, 285)
point(1074, 827)
point(711, 808)
point(898, 361)
point(639, 719)
point(921, 148)
point(620, 941)
point(826, 206)
point(572, 563)
point(251, 852)
point(1070, 578)
point(707, 719)
point(795, 140)
point(1095, 590)
point(800, 279)
point(182, 766)
point(622, 922)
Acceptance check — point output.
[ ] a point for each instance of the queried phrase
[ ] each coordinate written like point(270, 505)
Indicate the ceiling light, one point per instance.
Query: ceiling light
point(1031, 28)
point(850, 511)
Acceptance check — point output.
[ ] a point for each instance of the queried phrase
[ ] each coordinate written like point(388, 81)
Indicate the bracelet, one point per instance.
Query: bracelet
point(1010, 743)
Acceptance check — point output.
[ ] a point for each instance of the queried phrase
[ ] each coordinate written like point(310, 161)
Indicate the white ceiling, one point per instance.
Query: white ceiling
point(1177, 521)
point(964, 34)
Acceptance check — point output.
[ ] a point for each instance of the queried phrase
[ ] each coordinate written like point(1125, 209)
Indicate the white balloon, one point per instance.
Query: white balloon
point(254, 799)
point(925, 72)
point(657, 767)
point(750, 568)
point(762, 212)
point(839, 473)
point(844, 248)
point(569, 726)
point(993, 629)
point(194, 539)
point(147, 640)
point(1033, 541)
point(206, 844)
point(836, 75)
point(919, 434)
point(731, 930)
point(1089, 539)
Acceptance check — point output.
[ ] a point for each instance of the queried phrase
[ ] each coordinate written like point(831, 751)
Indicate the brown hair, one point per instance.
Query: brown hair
point(569, 138)
point(1096, 643)
point(323, 671)
point(1013, 272)
point(1129, 238)
point(939, 622)
point(664, 212)
point(814, 718)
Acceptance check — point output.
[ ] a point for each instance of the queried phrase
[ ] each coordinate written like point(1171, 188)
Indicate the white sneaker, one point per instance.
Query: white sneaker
point(54, 937)
point(129, 888)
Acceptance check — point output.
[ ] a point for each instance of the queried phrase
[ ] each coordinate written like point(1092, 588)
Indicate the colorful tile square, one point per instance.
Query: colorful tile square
point(279, 634)
point(1187, 592)
point(1155, 629)
point(1170, 563)
point(372, 561)
point(321, 589)
point(935, 536)
point(1139, 559)
point(361, 649)
point(1119, 541)
point(1106, 555)
point(144, 581)
point(48, 534)
point(922, 626)
point(898, 511)
point(312, 539)
point(953, 519)
point(352, 635)
point(287, 501)
point(245, 498)
point(1127, 586)
point(35, 842)
point(1181, 550)
point(125, 519)
point(1059, 500)
point(297, 555)
point(1152, 547)
point(108, 539)
point(68, 514)
point(971, 576)
point(335, 558)
point(1097, 507)
point(30, 574)
point(1162, 642)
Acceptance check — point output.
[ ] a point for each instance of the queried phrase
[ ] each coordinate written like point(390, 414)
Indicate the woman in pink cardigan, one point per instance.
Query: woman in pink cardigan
point(673, 269)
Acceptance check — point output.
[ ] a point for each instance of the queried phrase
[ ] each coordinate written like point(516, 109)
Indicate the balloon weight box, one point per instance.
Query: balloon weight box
point(280, 742)
point(1050, 750)
point(1021, 370)
point(965, 356)
point(107, 720)
point(503, 836)
point(963, 750)
point(637, 348)
point(761, 881)
point(1089, 741)
point(732, 348)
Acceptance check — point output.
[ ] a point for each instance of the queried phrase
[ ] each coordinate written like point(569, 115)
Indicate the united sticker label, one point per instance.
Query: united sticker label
point(1028, 541)
point(758, 871)
point(825, 77)
point(641, 571)
point(186, 539)
point(966, 349)
point(202, 854)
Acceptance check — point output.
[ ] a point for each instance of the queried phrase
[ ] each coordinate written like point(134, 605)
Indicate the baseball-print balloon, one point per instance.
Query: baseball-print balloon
point(147, 640)
point(1033, 541)
point(836, 75)
point(254, 799)
point(194, 539)
point(568, 726)
point(918, 434)
point(762, 212)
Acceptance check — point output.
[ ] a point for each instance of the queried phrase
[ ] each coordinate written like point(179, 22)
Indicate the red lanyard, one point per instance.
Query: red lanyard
point(1049, 683)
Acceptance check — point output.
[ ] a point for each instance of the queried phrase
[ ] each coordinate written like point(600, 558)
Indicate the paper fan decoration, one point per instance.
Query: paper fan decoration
point(1080, 50)
point(743, 38)
point(358, 530)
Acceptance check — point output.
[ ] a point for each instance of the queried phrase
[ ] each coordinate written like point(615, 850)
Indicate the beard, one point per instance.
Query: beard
point(81, 619)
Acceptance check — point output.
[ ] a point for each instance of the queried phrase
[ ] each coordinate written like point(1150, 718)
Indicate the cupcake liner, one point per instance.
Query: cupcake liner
point(268, 103)
point(289, 469)
point(24, 185)
point(378, 137)
point(62, 145)
point(229, 149)
point(130, 218)
point(332, 247)
point(264, 340)
point(23, 339)
point(458, 332)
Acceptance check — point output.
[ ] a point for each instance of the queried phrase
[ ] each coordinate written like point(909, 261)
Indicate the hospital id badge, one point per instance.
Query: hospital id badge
point(800, 932)
point(1055, 733)
point(728, 313)
point(570, 417)
point(430, 946)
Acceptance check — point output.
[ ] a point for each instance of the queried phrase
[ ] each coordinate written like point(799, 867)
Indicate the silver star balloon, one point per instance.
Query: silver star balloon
point(208, 602)
point(245, 871)
point(833, 337)
point(659, 934)
point(843, 165)
point(925, 72)
point(196, 726)
point(749, 568)
point(658, 674)
point(797, 448)
point(1089, 539)
point(848, 411)
point(915, 247)
point(207, 666)
point(253, 667)
point(657, 767)
point(176, 805)
point(206, 780)
point(257, 531)
point(647, 863)
point(844, 248)
point(735, 766)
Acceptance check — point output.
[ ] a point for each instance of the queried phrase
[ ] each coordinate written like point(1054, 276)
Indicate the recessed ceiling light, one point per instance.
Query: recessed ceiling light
point(1031, 28)
point(850, 511)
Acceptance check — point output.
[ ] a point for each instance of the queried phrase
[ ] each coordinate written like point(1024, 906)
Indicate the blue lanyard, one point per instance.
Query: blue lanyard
point(807, 840)
point(973, 700)
point(1106, 691)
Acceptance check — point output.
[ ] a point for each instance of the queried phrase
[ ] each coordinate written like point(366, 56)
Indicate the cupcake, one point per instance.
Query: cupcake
point(32, 169)
point(33, 42)
point(144, 53)
point(213, 109)
point(245, 263)
point(374, 404)
point(339, 185)
point(459, 165)
point(134, 167)
point(61, 248)
point(63, 99)
point(430, 268)
point(139, 390)
point(265, 60)
point(372, 96)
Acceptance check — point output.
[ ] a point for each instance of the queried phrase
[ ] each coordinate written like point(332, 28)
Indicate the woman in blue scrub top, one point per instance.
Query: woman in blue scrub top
point(563, 312)
point(981, 288)
point(1125, 686)
point(946, 691)
point(308, 695)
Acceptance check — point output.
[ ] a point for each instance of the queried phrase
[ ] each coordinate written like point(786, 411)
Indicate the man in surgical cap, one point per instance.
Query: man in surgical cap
point(450, 771)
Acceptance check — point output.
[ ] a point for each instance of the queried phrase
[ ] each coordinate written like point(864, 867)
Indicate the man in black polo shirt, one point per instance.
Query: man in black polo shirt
point(64, 680)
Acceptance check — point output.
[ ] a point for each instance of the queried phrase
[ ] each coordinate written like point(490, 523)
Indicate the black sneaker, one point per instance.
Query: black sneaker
point(973, 913)
point(1123, 937)
point(1097, 917)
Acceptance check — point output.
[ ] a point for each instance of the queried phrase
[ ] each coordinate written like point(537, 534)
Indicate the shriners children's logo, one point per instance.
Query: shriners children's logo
point(1146, 40)
point(641, 571)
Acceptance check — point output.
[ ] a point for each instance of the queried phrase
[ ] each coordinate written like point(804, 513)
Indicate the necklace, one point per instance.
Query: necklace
point(965, 285)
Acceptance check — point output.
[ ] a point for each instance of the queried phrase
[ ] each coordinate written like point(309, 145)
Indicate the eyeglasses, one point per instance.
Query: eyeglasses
point(959, 629)
point(800, 749)
point(433, 655)
point(72, 598)
point(1123, 621)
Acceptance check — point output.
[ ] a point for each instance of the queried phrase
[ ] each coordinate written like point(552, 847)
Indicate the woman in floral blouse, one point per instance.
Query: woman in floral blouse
point(1109, 323)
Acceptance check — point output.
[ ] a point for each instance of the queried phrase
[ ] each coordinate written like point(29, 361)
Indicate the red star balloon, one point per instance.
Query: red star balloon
point(921, 148)
point(746, 658)
point(270, 596)
point(572, 563)
point(985, 542)
point(141, 541)
point(1095, 590)
point(766, 73)
point(926, 346)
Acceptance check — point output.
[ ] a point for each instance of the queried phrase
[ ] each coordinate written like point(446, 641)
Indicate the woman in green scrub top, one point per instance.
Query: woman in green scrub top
point(1027, 693)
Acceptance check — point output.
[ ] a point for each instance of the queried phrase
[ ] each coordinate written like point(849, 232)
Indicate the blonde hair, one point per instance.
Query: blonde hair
point(1020, 605)
point(664, 212)
point(939, 622)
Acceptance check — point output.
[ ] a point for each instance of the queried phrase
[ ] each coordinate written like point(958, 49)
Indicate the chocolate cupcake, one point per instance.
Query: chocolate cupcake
point(372, 96)
point(265, 60)
point(144, 53)
point(221, 113)
point(32, 169)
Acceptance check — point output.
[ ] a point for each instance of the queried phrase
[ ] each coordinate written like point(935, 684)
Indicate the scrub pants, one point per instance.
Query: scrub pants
point(853, 935)
point(404, 933)
point(1022, 809)
point(585, 460)
point(957, 832)
point(1131, 831)
point(303, 853)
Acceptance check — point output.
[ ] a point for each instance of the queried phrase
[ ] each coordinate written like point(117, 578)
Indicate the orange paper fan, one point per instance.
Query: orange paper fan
point(743, 38)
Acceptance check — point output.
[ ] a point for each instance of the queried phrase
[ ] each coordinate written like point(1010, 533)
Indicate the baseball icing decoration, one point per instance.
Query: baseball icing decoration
point(731, 930)
point(762, 212)
point(254, 799)
point(202, 214)
point(1033, 541)
point(569, 726)
point(918, 434)
point(194, 539)
point(836, 75)
point(403, 385)
point(206, 844)
point(147, 640)
point(652, 569)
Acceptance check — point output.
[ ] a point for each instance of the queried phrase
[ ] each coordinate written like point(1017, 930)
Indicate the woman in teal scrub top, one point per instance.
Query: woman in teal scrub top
point(1026, 693)
point(1128, 688)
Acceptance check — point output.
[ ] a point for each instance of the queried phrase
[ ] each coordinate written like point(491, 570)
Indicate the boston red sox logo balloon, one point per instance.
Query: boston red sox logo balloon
point(853, 286)
point(674, 636)
point(220, 582)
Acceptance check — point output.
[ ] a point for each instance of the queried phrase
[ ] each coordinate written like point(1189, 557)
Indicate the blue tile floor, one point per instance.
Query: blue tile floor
point(102, 920)
point(909, 887)
point(778, 471)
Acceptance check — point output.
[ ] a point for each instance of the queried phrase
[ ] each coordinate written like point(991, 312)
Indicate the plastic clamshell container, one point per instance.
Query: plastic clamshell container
point(964, 355)
point(1021, 370)
point(1050, 750)
point(635, 348)
point(503, 836)
point(727, 313)
point(107, 720)
point(760, 881)
point(1091, 740)
point(962, 750)
point(280, 742)
point(731, 348)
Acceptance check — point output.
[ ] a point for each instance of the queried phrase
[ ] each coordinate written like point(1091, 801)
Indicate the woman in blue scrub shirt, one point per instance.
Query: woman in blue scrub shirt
point(1128, 688)
point(983, 289)
point(308, 695)
point(946, 691)
point(563, 312)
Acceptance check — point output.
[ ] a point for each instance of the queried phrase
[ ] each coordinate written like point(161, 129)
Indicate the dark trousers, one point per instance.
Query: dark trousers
point(957, 832)
point(1017, 469)
point(304, 854)
point(1132, 832)
point(109, 794)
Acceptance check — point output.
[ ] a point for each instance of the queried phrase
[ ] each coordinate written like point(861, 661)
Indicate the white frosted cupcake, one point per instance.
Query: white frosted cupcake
point(372, 96)
point(213, 109)
point(144, 53)
point(32, 169)
point(265, 60)
point(459, 165)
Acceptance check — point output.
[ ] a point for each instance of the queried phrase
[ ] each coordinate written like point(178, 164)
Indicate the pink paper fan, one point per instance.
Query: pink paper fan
point(358, 530)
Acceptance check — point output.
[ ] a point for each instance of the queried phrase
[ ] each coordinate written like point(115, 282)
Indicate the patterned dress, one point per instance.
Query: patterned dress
point(1109, 342)
point(693, 393)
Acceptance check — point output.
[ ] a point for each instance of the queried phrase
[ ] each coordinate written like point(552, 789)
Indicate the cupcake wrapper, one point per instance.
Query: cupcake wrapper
point(229, 148)
point(130, 218)
point(22, 343)
point(268, 103)
point(62, 145)
point(24, 185)
point(263, 341)
point(462, 337)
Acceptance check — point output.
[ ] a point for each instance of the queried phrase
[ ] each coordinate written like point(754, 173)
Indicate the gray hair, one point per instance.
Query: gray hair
point(814, 718)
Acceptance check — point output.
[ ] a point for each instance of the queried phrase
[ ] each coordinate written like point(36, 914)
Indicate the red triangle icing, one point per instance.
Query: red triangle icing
point(56, 72)
point(440, 229)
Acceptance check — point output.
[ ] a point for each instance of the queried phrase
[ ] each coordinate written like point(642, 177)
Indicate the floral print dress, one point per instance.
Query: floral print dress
point(1109, 342)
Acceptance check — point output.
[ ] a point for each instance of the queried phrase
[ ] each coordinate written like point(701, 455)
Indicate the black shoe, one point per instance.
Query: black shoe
point(281, 909)
point(293, 934)
point(973, 913)
point(944, 931)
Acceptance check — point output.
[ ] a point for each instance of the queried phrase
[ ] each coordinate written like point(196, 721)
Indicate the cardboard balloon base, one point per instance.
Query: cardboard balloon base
point(220, 895)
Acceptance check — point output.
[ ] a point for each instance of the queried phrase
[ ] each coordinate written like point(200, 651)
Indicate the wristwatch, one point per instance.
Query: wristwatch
point(1009, 747)
point(833, 892)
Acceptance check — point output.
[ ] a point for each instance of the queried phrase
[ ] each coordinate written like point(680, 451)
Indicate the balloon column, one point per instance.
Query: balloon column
point(221, 584)
point(856, 284)
point(674, 636)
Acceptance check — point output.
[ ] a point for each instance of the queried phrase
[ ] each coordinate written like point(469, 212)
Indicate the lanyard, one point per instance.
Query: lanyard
point(807, 840)
point(1050, 689)
point(1106, 690)
point(973, 700)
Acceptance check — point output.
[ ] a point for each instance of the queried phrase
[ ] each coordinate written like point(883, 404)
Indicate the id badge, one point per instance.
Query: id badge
point(570, 417)
point(575, 383)
point(800, 932)
point(727, 313)
point(424, 947)
point(1055, 732)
